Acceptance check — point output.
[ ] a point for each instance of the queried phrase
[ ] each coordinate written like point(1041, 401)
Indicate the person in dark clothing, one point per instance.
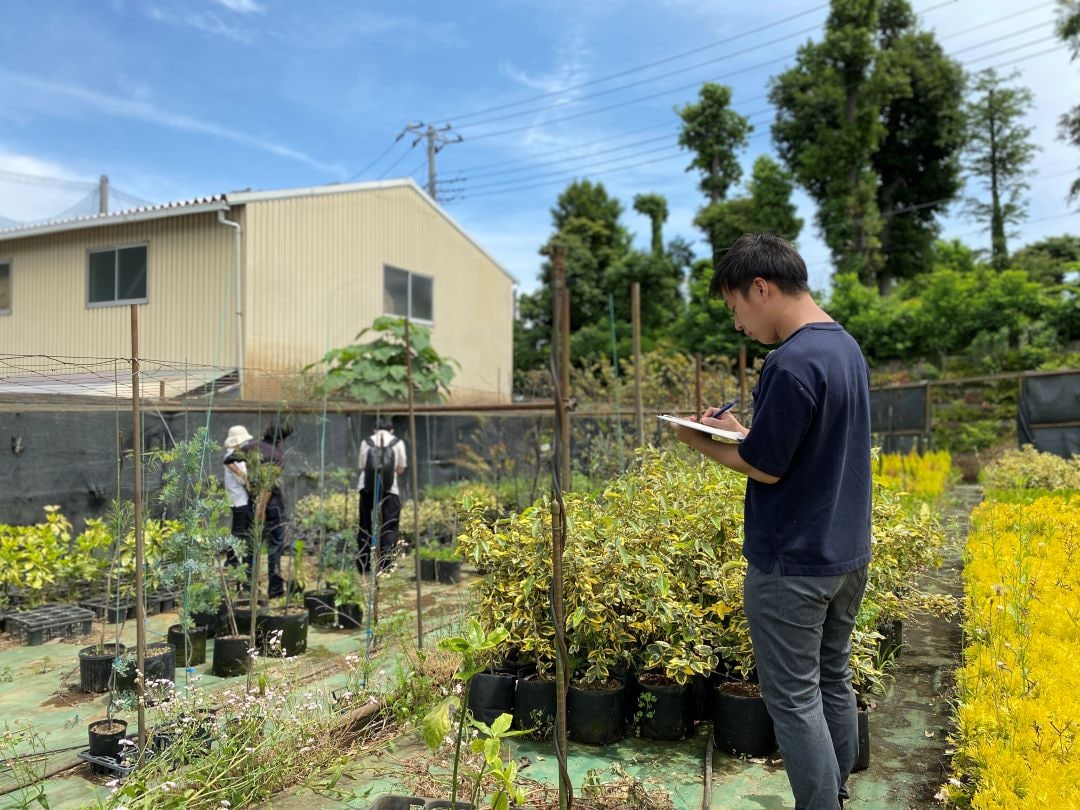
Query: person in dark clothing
point(269, 450)
point(807, 509)
point(382, 460)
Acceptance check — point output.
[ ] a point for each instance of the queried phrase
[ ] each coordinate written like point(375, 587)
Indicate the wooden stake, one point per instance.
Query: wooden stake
point(560, 346)
point(415, 488)
point(698, 405)
point(635, 319)
point(140, 550)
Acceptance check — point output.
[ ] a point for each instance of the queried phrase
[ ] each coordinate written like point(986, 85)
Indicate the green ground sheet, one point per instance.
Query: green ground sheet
point(908, 726)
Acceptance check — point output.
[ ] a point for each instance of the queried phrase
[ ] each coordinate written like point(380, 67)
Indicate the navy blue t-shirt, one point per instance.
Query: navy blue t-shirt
point(811, 429)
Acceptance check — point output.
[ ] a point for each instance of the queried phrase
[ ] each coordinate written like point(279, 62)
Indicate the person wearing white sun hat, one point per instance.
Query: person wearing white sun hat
point(236, 487)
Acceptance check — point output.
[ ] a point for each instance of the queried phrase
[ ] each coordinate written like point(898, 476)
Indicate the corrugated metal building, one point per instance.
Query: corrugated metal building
point(310, 268)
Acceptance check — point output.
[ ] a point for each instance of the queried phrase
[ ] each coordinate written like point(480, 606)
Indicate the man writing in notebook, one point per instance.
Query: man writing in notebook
point(807, 509)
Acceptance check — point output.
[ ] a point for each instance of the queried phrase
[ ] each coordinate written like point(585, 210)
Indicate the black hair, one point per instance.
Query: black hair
point(759, 255)
point(384, 423)
point(278, 430)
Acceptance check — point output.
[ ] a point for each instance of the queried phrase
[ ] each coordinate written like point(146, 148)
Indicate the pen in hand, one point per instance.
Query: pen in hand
point(717, 412)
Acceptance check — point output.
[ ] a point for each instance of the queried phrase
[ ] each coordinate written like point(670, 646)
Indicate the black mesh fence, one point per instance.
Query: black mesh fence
point(1048, 415)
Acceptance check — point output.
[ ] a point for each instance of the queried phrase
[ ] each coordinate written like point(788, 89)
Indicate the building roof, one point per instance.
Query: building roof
point(222, 202)
point(198, 205)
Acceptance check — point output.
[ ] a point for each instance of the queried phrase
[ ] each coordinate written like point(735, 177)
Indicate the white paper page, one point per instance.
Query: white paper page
point(724, 434)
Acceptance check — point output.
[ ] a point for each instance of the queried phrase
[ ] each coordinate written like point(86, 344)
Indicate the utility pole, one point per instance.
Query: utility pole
point(437, 139)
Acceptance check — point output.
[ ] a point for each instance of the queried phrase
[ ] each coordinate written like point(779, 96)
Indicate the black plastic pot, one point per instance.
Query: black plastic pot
point(741, 723)
point(350, 616)
point(491, 694)
point(212, 621)
point(96, 666)
point(668, 714)
point(293, 627)
point(242, 612)
point(595, 716)
point(105, 736)
point(863, 762)
point(320, 606)
point(160, 664)
point(231, 656)
point(446, 572)
point(534, 707)
point(699, 688)
point(192, 643)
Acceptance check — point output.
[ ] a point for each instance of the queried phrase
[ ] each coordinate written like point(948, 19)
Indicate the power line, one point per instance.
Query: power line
point(562, 150)
point(680, 88)
point(533, 165)
point(382, 154)
point(620, 88)
point(591, 174)
point(628, 71)
point(400, 158)
point(668, 92)
point(1018, 48)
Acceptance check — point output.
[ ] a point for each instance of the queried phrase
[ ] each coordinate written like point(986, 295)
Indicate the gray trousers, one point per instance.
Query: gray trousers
point(801, 631)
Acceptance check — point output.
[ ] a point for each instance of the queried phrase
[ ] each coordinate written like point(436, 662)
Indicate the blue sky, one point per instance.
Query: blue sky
point(180, 98)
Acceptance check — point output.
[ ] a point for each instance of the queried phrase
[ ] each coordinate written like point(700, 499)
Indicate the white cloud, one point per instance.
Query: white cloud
point(142, 110)
point(24, 198)
point(242, 6)
point(206, 21)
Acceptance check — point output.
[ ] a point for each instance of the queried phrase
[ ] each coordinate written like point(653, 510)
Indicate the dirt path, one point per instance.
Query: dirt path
point(910, 726)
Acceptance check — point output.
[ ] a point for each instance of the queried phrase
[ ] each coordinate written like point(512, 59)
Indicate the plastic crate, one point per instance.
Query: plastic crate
point(33, 627)
point(109, 610)
point(104, 766)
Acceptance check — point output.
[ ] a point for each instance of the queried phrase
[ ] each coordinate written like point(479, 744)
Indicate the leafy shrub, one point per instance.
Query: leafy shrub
point(653, 573)
point(1027, 468)
point(924, 476)
point(1016, 732)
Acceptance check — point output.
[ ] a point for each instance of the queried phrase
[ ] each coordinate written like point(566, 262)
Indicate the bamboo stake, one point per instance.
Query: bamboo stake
point(140, 550)
point(415, 487)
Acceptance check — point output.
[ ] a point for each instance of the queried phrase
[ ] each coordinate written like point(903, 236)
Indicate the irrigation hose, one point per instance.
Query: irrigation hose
point(706, 793)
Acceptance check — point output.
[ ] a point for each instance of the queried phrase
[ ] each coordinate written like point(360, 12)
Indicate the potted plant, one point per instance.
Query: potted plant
point(190, 552)
point(440, 564)
point(348, 597)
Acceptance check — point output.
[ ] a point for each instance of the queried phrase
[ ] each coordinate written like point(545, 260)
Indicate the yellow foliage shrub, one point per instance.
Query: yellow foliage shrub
point(922, 476)
point(1018, 716)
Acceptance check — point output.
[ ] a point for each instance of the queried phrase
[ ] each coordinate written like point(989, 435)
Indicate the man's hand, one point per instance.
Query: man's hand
point(726, 421)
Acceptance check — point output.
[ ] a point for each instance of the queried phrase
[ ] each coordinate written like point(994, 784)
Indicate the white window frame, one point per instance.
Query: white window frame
point(115, 249)
point(11, 287)
point(410, 274)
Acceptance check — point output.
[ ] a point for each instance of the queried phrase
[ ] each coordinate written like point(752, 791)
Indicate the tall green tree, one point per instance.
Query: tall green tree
point(714, 133)
point(828, 126)
point(586, 224)
point(654, 206)
point(766, 207)
point(870, 122)
point(1049, 260)
point(917, 159)
point(1000, 153)
point(1068, 28)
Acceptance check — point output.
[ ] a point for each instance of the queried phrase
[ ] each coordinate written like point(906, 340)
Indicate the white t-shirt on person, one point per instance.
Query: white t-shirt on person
point(234, 487)
point(382, 438)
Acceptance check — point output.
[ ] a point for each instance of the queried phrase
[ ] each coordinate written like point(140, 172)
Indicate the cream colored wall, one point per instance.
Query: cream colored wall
point(190, 267)
point(314, 278)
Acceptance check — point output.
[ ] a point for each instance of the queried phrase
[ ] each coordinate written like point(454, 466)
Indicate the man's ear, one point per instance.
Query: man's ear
point(760, 287)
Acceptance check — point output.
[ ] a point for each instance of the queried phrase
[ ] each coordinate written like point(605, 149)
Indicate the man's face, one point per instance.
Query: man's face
point(751, 313)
